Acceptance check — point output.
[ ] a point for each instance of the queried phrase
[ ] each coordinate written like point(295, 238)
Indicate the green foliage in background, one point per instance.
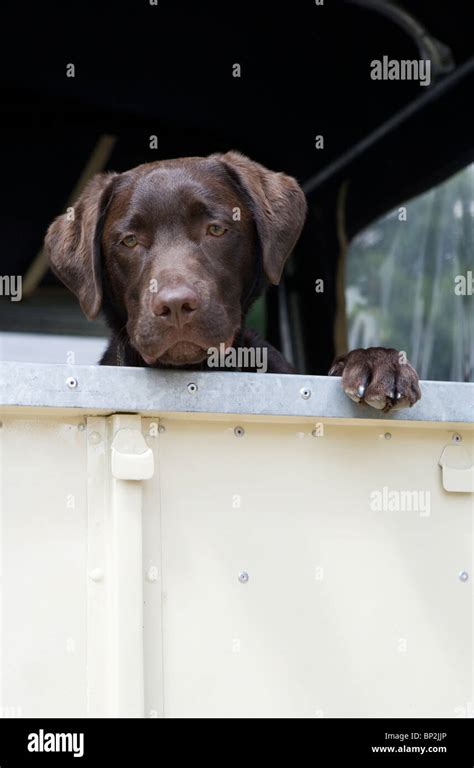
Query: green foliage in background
point(401, 278)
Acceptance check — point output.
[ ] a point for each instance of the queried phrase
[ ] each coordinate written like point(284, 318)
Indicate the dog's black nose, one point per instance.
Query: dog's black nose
point(175, 305)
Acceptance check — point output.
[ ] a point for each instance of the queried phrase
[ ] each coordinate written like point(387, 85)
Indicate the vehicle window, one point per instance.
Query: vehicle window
point(410, 281)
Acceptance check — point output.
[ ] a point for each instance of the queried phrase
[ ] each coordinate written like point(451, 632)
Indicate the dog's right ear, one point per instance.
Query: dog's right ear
point(72, 243)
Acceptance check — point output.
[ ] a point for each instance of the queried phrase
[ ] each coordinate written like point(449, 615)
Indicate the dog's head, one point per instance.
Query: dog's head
point(174, 249)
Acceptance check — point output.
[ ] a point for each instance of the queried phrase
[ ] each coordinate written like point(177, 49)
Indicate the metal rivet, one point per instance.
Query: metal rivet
point(161, 429)
point(457, 438)
point(239, 431)
point(243, 577)
point(71, 382)
point(305, 393)
point(81, 427)
point(388, 435)
point(94, 438)
point(463, 576)
point(96, 574)
point(192, 388)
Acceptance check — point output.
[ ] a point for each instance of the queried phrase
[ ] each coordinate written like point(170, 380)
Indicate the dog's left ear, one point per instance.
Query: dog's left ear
point(278, 205)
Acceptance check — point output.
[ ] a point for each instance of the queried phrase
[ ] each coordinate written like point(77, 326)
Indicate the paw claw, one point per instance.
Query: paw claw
point(379, 403)
point(353, 395)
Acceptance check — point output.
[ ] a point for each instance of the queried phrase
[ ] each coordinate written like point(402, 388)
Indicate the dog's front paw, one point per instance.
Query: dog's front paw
point(382, 378)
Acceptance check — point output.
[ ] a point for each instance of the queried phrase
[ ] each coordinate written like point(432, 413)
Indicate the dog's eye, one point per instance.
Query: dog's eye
point(130, 241)
point(216, 230)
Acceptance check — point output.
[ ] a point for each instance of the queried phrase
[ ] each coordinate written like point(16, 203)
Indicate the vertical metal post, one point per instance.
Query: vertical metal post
point(115, 667)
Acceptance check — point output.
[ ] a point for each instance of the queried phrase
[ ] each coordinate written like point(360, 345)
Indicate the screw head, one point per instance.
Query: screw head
point(71, 382)
point(96, 574)
point(305, 393)
point(388, 435)
point(457, 438)
point(161, 429)
point(243, 577)
point(192, 388)
point(95, 438)
point(239, 431)
point(463, 576)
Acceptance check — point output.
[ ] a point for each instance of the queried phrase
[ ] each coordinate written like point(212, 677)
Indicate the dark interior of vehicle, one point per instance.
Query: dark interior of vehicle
point(166, 70)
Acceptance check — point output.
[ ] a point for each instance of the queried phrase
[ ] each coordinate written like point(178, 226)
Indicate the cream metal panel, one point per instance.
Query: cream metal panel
point(43, 504)
point(347, 611)
point(308, 565)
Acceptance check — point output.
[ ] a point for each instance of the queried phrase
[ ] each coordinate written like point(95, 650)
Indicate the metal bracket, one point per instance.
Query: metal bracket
point(118, 456)
point(457, 469)
point(132, 459)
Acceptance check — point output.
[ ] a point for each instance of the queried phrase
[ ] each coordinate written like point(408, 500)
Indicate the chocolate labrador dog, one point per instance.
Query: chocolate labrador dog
point(175, 252)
